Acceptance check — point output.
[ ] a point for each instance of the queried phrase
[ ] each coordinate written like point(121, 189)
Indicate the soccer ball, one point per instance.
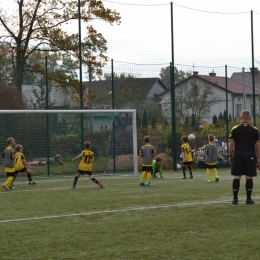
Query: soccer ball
point(191, 137)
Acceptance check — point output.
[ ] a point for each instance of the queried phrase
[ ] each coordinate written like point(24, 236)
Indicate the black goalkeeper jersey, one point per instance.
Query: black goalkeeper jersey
point(245, 136)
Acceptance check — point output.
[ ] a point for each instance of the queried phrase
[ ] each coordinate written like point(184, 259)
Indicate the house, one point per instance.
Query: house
point(246, 77)
point(130, 93)
point(217, 84)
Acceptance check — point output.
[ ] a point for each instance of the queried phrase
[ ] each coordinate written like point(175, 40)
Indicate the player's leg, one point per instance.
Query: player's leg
point(215, 174)
point(208, 175)
point(148, 177)
point(143, 176)
point(236, 186)
point(183, 171)
point(76, 180)
point(29, 176)
point(190, 170)
point(8, 183)
point(99, 183)
point(249, 189)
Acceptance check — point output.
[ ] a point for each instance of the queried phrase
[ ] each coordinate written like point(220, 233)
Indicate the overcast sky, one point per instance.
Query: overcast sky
point(203, 40)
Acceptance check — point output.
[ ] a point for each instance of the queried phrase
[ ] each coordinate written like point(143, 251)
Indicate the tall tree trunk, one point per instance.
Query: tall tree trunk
point(20, 63)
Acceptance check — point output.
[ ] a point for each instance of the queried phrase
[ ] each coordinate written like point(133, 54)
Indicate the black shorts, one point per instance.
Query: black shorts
point(10, 174)
point(186, 163)
point(147, 168)
point(22, 170)
point(244, 163)
point(85, 172)
point(211, 166)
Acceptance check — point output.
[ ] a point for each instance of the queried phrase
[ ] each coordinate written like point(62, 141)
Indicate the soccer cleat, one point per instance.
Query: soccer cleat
point(191, 177)
point(161, 177)
point(73, 186)
point(234, 201)
point(12, 187)
point(183, 177)
point(5, 186)
point(100, 184)
point(148, 185)
point(250, 201)
point(208, 181)
point(32, 182)
point(141, 184)
point(216, 179)
point(155, 176)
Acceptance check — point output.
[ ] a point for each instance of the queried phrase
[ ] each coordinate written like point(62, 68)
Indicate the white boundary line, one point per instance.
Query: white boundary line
point(117, 210)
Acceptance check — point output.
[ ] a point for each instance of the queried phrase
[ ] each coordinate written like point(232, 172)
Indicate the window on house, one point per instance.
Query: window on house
point(239, 109)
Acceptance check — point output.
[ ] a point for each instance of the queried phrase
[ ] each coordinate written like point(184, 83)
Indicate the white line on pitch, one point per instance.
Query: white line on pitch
point(116, 211)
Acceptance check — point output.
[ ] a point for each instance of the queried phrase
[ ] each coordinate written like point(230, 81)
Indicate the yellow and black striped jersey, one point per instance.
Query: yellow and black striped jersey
point(19, 157)
point(187, 154)
point(86, 161)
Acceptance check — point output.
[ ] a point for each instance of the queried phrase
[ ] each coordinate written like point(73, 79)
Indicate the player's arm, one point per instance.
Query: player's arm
point(92, 158)
point(231, 145)
point(258, 152)
point(141, 152)
point(26, 163)
point(3, 155)
point(77, 157)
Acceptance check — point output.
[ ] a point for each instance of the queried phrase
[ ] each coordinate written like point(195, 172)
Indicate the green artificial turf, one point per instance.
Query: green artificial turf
point(175, 219)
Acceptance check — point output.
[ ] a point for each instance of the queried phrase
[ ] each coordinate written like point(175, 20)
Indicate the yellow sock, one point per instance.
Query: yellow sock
point(208, 173)
point(148, 177)
point(143, 176)
point(9, 181)
point(215, 173)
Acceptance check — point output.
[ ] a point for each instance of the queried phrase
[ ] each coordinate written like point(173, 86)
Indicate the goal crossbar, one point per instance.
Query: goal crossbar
point(88, 111)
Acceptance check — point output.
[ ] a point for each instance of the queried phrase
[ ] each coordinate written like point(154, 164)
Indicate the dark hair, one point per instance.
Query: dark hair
point(158, 159)
point(18, 147)
point(10, 140)
point(184, 139)
point(147, 139)
point(87, 145)
point(211, 137)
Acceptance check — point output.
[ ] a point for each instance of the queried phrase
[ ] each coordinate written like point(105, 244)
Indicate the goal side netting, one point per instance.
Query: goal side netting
point(51, 138)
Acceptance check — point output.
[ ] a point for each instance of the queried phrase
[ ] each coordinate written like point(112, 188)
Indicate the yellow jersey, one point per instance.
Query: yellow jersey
point(86, 163)
point(187, 154)
point(19, 157)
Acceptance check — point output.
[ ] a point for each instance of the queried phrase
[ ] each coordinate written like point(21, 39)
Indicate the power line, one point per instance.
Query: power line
point(193, 9)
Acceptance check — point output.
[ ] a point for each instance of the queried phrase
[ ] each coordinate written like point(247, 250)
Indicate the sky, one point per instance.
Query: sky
point(205, 39)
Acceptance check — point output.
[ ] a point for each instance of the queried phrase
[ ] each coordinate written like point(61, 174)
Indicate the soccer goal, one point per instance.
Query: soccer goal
point(51, 138)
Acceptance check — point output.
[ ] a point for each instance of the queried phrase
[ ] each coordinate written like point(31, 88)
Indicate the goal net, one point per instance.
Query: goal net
point(51, 138)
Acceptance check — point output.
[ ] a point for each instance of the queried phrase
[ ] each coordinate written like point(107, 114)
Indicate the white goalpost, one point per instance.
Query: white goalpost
point(50, 134)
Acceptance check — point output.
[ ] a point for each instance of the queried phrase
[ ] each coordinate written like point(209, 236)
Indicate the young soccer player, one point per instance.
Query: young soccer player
point(147, 152)
point(85, 165)
point(9, 156)
point(211, 158)
point(19, 164)
point(157, 167)
point(186, 157)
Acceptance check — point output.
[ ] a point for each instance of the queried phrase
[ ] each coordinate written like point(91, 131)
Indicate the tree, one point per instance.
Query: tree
point(145, 120)
point(194, 98)
point(214, 119)
point(179, 75)
point(220, 117)
point(37, 26)
point(193, 121)
point(153, 123)
point(225, 116)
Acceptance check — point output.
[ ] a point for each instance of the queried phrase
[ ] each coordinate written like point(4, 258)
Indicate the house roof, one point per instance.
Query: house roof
point(142, 85)
point(234, 87)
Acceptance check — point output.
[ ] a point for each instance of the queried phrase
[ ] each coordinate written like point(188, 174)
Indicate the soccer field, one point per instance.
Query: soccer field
point(175, 219)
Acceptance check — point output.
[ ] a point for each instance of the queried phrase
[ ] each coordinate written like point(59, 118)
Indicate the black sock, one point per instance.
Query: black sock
point(184, 171)
point(13, 180)
point(236, 185)
point(249, 188)
point(190, 170)
point(75, 180)
point(29, 176)
point(95, 180)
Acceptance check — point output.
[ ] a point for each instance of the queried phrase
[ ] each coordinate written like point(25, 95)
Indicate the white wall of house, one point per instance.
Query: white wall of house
point(235, 104)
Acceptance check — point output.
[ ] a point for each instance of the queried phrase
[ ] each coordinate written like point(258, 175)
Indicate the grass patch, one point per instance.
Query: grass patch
point(175, 219)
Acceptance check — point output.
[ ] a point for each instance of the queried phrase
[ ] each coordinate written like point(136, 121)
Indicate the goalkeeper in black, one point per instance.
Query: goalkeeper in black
point(244, 140)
